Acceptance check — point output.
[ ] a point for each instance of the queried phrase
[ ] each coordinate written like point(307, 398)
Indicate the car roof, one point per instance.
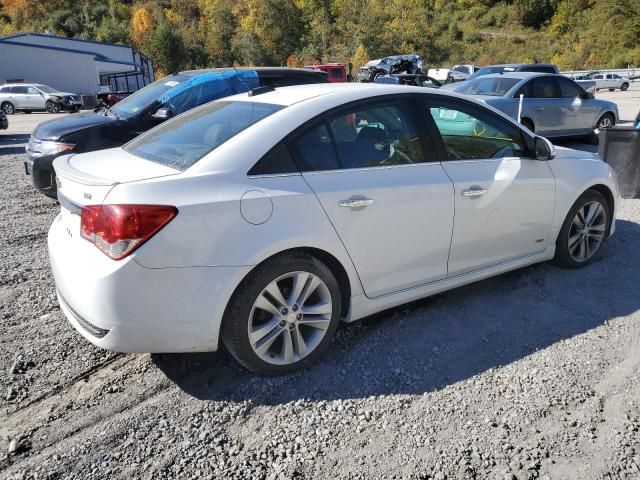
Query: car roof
point(266, 70)
point(516, 65)
point(518, 75)
point(287, 96)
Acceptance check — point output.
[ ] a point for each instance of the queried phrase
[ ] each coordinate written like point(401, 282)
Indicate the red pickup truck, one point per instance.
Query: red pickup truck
point(336, 72)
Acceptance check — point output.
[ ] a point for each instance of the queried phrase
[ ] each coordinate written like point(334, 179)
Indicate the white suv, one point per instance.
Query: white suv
point(33, 96)
point(610, 81)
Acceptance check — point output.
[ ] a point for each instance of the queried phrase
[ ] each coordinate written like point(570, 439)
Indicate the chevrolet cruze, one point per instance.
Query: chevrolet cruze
point(262, 220)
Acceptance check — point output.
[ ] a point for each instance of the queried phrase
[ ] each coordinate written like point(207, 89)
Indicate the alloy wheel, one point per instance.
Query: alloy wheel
point(289, 318)
point(605, 122)
point(8, 108)
point(587, 231)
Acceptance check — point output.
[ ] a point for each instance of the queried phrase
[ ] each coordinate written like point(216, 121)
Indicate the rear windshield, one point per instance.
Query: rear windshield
point(493, 86)
point(181, 142)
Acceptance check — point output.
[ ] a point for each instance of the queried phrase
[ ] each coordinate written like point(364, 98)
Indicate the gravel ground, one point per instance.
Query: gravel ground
point(533, 374)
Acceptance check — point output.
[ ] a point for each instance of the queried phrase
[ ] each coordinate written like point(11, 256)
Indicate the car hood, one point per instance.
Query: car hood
point(565, 153)
point(59, 127)
point(62, 94)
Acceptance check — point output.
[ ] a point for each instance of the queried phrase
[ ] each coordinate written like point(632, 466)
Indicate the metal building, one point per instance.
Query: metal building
point(73, 65)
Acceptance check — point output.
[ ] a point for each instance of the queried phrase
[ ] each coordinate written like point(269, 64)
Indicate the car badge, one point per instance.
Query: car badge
point(87, 196)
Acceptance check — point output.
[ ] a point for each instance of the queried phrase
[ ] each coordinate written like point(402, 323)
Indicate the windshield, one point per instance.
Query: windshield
point(45, 89)
point(493, 86)
point(181, 142)
point(461, 69)
point(145, 97)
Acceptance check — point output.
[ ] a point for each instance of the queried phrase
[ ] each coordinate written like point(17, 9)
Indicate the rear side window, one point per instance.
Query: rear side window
point(276, 161)
point(315, 150)
point(18, 89)
point(181, 142)
point(337, 73)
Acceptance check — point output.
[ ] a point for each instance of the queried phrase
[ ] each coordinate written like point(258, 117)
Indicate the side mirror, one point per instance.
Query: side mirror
point(162, 114)
point(544, 149)
point(587, 95)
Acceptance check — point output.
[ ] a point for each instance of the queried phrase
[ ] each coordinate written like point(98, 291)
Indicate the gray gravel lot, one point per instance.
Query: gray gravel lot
point(533, 374)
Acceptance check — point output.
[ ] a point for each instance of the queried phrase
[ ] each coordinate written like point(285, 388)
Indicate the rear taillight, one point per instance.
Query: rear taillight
point(117, 230)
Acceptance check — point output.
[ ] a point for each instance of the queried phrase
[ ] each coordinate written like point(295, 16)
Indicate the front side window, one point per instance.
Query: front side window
point(180, 142)
point(569, 89)
point(315, 150)
point(32, 91)
point(469, 133)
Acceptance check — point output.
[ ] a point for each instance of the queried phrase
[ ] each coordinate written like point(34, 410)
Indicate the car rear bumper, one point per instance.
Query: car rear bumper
point(125, 307)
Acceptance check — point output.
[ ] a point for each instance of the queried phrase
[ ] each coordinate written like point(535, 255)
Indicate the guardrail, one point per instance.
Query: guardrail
point(631, 73)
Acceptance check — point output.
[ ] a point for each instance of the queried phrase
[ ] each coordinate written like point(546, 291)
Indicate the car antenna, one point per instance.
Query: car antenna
point(254, 91)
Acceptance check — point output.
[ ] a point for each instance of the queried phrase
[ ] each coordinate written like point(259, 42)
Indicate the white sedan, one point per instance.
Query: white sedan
point(263, 219)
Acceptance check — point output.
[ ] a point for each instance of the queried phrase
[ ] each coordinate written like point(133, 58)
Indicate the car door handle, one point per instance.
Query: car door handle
point(474, 192)
point(355, 203)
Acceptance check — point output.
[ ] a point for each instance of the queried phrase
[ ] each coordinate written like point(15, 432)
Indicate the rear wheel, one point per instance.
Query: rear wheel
point(52, 107)
point(283, 316)
point(8, 108)
point(583, 231)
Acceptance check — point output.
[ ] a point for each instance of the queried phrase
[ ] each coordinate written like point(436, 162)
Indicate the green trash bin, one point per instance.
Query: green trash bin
point(619, 146)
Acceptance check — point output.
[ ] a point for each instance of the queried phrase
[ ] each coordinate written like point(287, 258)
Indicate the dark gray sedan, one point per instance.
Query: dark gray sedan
point(552, 105)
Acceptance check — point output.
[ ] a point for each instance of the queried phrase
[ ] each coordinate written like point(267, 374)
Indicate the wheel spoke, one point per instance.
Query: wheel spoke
point(600, 228)
point(288, 355)
point(318, 323)
point(274, 290)
point(323, 308)
point(299, 343)
point(300, 280)
point(587, 247)
point(594, 211)
point(573, 241)
point(263, 303)
point(263, 348)
point(311, 286)
point(263, 331)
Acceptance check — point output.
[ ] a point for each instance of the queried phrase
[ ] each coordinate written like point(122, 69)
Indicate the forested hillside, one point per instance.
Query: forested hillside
point(180, 34)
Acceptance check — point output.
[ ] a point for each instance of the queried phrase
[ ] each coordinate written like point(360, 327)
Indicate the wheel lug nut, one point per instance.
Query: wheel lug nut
point(291, 326)
point(299, 316)
point(294, 308)
point(282, 322)
point(284, 311)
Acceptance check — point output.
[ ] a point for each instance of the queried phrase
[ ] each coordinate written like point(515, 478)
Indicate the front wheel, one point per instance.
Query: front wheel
point(625, 86)
point(52, 107)
point(282, 316)
point(584, 231)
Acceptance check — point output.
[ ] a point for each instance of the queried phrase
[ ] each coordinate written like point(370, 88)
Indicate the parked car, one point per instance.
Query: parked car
point(28, 97)
point(457, 73)
point(336, 72)
point(553, 105)
point(149, 106)
point(516, 67)
point(109, 99)
point(262, 220)
point(415, 80)
point(411, 63)
point(4, 121)
point(611, 81)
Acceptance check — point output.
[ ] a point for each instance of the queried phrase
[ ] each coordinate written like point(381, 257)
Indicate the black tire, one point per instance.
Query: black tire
point(563, 257)
point(8, 108)
point(235, 323)
point(529, 124)
point(612, 89)
point(27, 111)
point(52, 107)
point(625, 86)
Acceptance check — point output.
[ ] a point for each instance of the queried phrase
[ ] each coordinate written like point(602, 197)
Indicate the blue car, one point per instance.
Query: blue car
point(552, 105)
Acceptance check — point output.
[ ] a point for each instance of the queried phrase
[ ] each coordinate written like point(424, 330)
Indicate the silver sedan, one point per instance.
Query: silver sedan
point(552, 105)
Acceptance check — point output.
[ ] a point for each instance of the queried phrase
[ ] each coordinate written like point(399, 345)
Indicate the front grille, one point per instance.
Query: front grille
point(88, 326)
